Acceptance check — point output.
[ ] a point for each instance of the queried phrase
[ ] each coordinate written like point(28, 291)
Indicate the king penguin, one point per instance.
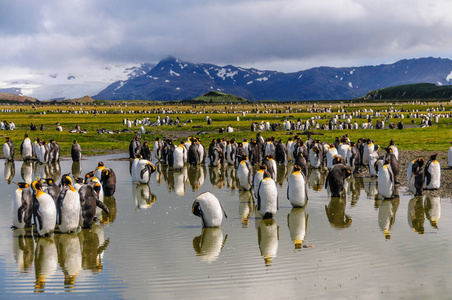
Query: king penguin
point(142, 170)
point(179, 157)
point(245, 174)
point(89, 201)
point(335, 178)
point(297, 190)
point(432, 174)
point(76, 152)
point(267, 197)
point(386, 180)
point(68, 207)
point(8, 149)
point(108, 181)
point(22, 206)
point(44, 211)
point(416, 176)
point(209, 209)
point(26, 150)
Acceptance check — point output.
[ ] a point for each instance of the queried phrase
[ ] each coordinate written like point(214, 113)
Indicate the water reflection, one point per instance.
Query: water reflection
point(297, 221)
point(92, 245)
point(230, 176)
point(370, 185)
point(281, 174)
point(69, 257)
point(216, 177)
point(267, 237)
point(335, 211)
point(9, 171)
point(26, 171)
point(386, 215)
point(316, 179)
point(46, 261)
point(209, 244)
point(196, 176)
point(76, 169)
point(432, 205)
point(110, 203)
point(246, 207)
point(142, 196)
point(23, 249)
point(416, 214)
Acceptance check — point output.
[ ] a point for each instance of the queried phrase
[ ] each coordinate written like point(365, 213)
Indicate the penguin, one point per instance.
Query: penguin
point(432, 174)
point(88, 203)
point(230, 152)
point(386, 180)
point(54, 154)
point(134, 147)
point(68, 207)
point(8, 149)
point(374, 160)
point(193, 154)
point(98, 170)
point(215, 154)
point(44, 211)
point(142, 170)
point(108, 181)
point(449, 157)
point(179, 155)
point(76, 152)
point(280, 153)
point(146, 152)
point(394, 148)
point(301, 162)
point(271, 166)
point(158, 149)
point(245, 174)
point(79, 182)
point(209, 209)
point(297, 190)
point(258, 176)
point(52, 189)
point(416, 176)
point(315, 157)
point(26, 150)
point(332, 151)
point(353, 158)
point(335, 178)
point(289, 148)
point(267, 197)
point(394, 163)
point(22, 206)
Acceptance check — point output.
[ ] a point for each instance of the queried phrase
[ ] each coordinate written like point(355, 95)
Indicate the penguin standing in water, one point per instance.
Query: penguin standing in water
point(258, 178)
point(179, 157)
point(335, 178)
point(394, 163)
point(301, 162)
point(108, 181)
point(432, 174)
point(76, 152)
point(44, 211)
point(245, 174)
point(52, 189)
point(89, 201)
point(386, 180)
point(267, 197)
point(271, 166)
point(26, 150)
point(280, 153)
point(68, 207)
point(158, 149)
point(332, 151)
point(8, 149)
point(297, 190)
point(22, 206)
point(142, 170)
point(209, 209)
point(98, 171)
point(415, 176)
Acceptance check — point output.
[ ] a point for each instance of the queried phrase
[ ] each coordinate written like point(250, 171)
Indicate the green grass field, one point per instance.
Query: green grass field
point(109, 116)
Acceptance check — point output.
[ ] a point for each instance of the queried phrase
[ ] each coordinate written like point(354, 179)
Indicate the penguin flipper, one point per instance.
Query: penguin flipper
point(102, 206)
point(145, 169)
point(222, 208)
point(58, 207)
point(20, 212)
point(259, 197)
point(37, 214)
point(327, 179)
point(288, 186)
point(428, 176)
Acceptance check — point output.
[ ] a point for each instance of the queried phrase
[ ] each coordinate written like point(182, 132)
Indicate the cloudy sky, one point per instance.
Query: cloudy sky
point(282, 35)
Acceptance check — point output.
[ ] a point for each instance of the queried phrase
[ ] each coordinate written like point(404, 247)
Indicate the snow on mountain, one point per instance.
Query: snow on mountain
point(69, 85)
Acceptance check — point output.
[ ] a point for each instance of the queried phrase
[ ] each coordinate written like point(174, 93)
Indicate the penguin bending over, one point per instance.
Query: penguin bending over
point(44, 211)
point(335, 178)
point(297, 190)
point(68, 207)
point(209, 209)
point(22, 206)
point(267, 197)
point(432, 174)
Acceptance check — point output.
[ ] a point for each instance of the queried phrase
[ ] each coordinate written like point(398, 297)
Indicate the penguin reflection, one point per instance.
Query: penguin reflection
point(76, 169)
point(158, 172)
point(9, 171)
point(209, 244)
point(371, 188)
point(180, 177)
point(142, 195)
point(41, 171)
point(69, 256)
point(386, 215)
point(432, 207)
point(196, 176)
point(267, 237)
point(416, 214)
point(54, 170)
point(26, 171)
point(355, 184)
point(216, 176)
point(110, 203)
point(92, 245)
point(46, 261)
point(246, 207)
point(23, 249)
point(281, 174)
point(230, 175)
point(335, 211)
point(316, 179)
point(297, 221)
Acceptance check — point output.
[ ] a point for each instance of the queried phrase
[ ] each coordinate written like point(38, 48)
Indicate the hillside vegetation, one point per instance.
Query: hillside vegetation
point(418, 91)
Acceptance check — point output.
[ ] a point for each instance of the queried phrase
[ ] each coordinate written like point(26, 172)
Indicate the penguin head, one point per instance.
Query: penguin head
point(22, 185)
point(433, 157)
point(37, 185)
point(66, 180)
point(100, 164)
point(49, 181)
point(296, 168)
point(196, 209)
point(267, 174)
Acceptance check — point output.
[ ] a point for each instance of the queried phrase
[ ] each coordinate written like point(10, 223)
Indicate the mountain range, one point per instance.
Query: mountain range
point(174, 79)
